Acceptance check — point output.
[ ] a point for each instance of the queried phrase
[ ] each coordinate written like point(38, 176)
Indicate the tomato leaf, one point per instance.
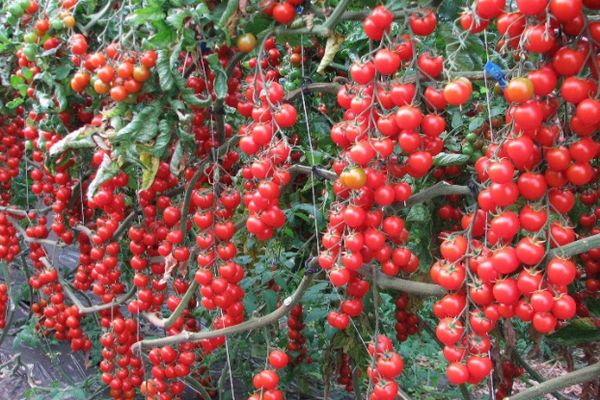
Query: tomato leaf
point(150, 164)
point(174, 165)
point(163, 138)
point(578, 331)
point(220, 84)
point(106, 171)
point(163, 67)
point(445, 159)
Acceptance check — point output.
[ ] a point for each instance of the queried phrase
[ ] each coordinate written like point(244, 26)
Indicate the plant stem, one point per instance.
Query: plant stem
point(582, 375)
point(533, 373)
point(576, 247)
point(251, 324)
point(166, 323)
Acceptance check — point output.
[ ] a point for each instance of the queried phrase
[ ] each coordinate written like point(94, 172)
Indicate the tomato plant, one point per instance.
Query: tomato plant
point(308, 173)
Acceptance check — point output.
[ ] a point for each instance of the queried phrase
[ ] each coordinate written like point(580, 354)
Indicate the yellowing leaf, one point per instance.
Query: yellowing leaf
point(331, 48)
point(150, 164)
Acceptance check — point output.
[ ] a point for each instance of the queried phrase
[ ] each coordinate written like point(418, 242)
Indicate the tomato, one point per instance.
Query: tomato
point(479, 367)
point(423, 24)
point(430, 66)
point(458, 91)
point(266, 379)
point(564, 307)
point(354, 178)
point(532, 7)
point(544, 80)
point(506, 291)
point(565, 10)
point(538, 39)
point(457, 373)
point(544, 322)
point(101, 87)
point(106, 74)
point(386, 62)
point(434, 98)
point(532, 186)
point(338, 320)
point(385, 390)
point(561, 271)
point(284, 13)
point(286, 116)
point(278, 359)
point(568, 62)
point(449, 331)
point(474, 25)
point(588, 111)
point(519, 90)
point(419, 163)
point(125, 70)
point(118, 93)
point(363, 73)
point(390, 365)
point(574, 90)
point(454, 248)
point(141, 73)
point(246, 42)
point(528, 115)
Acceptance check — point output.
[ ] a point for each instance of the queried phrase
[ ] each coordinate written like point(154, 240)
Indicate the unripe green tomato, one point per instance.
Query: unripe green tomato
point(294, 74)
point(16, 10)
point(29, 37)
point(24, 4)
point(288, 85)
point(476, 156)
point(471, 137)
point(30, 51)
point(467, 149)
point(283, 71)
point(57, 24)
point(28, 145)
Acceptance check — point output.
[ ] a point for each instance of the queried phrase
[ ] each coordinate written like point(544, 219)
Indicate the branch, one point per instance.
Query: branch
point(533, 373)
point(411, 287)
point(576, 247)
point(23, 213)
point(307, 169)
point(572, 378)
point(166, 323)
point(439, 189)
point(28, 239)
point(336, 14)
point(251, 324)
point(93, 309)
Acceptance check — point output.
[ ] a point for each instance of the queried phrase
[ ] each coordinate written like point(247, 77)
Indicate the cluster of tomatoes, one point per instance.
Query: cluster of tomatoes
point(501, 265)
point(11, 152)
point(116, 75)
point(121, 370)
point(344, 371)
point(509, 373)
point(407, 323)
point(218, 275)
point(264, 141)
point(265, 382)
point(54, 316)
point(296, 339)
point(168, 365)
point(4, 302)
point(9, 242)
point(387, 366)
point(284, 12)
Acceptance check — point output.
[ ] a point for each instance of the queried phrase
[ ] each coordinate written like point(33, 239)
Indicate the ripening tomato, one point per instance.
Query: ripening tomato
point(458, 91)
point(519, 90)
point(246, 42)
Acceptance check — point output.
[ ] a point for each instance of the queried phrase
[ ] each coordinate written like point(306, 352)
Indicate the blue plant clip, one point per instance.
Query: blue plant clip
point(203, 47)
point(495, 72)
point(299, 10)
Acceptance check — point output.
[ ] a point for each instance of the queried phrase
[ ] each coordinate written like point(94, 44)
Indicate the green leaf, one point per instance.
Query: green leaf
point(147, 14)
point(63, 71)
point(14, 103)
point(475, 123)
point(163, 138)
point(165, 75)
point(220, 85)
point(174, 165)
point(78, 139)
point(445, 159)
point(177, 17)
point(456, 119)
point(61, 97)
point(150, 164)
point(578, 331)
point(419, 213)
point(259, 23)
point(192, 100)
point(105, 172)
point(270, 298)
point(129, 132)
